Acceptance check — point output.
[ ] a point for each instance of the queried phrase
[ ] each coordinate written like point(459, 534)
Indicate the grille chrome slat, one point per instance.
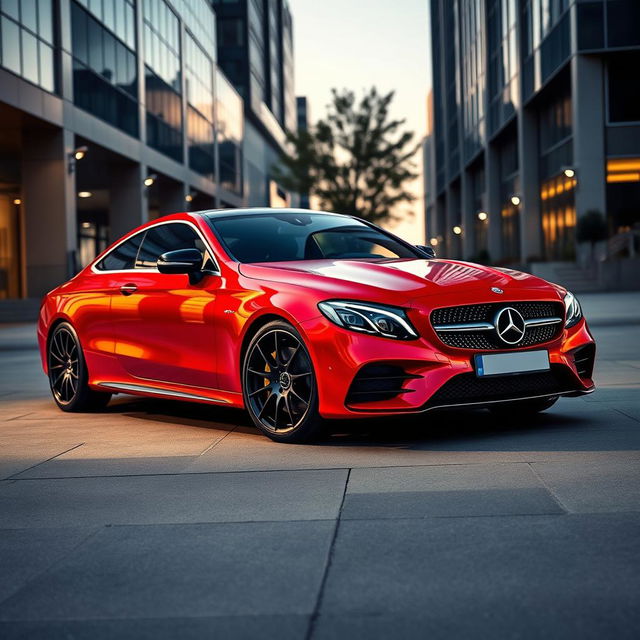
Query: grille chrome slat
point(472, 326)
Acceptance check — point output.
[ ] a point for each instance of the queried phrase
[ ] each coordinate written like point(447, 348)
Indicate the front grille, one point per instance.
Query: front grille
point(584, 358)
point(378, 382)
point(488, 340)
point(468, 388)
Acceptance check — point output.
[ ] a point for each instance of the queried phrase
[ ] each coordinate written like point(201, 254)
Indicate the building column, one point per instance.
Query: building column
point(172, 197)
point(530, 217)
point(48, 192)
point(128, 199)
point(587, 102)
point(468, 216)
point(494, 205)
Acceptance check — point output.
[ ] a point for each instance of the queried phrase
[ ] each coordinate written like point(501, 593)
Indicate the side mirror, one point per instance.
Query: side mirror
point(187, 261)
point(429, 252)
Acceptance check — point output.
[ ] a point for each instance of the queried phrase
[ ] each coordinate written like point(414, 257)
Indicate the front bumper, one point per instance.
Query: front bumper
point(430, 375)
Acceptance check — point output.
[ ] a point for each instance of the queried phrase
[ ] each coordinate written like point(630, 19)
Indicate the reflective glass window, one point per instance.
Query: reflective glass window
point(123, 256)
point(163, 238)
point(10, 45)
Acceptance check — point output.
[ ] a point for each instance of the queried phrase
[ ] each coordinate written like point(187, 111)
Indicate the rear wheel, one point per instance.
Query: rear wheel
point(279, 384)
point(68, 373)
point(523, 408)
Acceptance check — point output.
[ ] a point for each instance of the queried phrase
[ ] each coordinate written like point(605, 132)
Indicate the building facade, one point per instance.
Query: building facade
point(114, 112)
point(533, 121)
point(255, 51)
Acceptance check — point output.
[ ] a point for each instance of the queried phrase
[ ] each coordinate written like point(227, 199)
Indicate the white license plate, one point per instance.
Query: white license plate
point(498, 364)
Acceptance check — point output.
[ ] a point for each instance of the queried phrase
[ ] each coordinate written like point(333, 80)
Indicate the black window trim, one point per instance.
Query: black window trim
point(143, 232)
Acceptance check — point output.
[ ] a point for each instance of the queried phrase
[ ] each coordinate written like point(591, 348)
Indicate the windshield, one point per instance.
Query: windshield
point(302, 236)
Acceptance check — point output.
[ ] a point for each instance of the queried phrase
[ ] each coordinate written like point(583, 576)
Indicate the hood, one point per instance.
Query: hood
point(402, 279)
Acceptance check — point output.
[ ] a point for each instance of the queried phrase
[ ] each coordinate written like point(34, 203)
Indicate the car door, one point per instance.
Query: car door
point(163, 324)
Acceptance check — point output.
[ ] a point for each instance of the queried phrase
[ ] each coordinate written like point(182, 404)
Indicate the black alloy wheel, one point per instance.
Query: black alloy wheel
point(279, 384)
point(68, 372)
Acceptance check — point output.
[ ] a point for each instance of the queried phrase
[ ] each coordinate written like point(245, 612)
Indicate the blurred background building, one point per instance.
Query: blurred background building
point(114, 112)
point(534, 120)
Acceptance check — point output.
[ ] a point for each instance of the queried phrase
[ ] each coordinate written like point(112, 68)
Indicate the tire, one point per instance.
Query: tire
point(279, 385)
point(68, 378)
point(523, 408)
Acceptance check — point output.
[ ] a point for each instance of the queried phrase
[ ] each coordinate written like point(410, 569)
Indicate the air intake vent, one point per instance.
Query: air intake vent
point(378, 382)
point(584, 358)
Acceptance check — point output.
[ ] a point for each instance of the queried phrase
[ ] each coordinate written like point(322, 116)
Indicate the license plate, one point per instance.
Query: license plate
point(499, 364)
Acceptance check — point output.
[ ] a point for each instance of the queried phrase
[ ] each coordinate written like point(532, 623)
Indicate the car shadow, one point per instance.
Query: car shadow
point(453, 430)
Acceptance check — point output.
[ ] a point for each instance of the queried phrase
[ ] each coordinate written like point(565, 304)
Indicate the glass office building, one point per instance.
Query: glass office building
point(255, 51)
point(534, 120)
point(114, 112)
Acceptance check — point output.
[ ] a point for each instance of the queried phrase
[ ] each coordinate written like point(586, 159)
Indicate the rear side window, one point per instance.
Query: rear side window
point(123, 256)
point(169, 237)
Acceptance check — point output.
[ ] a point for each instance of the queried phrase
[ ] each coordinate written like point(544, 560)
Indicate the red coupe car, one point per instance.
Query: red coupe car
point(303, 316)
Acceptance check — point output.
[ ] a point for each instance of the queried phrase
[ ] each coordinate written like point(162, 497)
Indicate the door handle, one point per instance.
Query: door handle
point(128, 289)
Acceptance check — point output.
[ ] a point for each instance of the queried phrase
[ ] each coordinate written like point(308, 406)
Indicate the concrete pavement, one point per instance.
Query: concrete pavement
point(158, 519)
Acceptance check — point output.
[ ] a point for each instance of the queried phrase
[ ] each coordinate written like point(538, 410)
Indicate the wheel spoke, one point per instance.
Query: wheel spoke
point(260, 390)
point(264, 406)
point(255, 372)
point(295, 376)
point(293, 355)
point(268, 360)
point(297, 395)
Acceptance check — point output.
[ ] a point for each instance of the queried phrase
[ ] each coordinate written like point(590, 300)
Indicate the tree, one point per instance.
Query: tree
point(592, 228)
point(356, 161)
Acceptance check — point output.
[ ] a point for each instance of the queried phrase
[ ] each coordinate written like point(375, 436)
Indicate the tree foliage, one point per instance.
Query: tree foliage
point(355, 161)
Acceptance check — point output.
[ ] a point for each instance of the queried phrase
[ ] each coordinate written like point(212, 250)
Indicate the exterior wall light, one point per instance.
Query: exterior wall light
point(433, 242)
point(482, 215)
point(515, 200)
point(457, 230)
point(189, 197)
point(150, 179)
point(74, 156)
point(17, 201)
point(84, 194)
point(569, 172)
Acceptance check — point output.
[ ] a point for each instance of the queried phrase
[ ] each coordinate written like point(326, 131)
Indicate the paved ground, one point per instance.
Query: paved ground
point(167, 520)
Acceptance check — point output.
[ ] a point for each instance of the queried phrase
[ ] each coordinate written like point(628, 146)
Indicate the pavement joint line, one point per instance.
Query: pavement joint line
point(235, 471)
point(56, 562)
point(627, 415)
point(215, 443)
point(221, 523)
point(318, 604)
point(549, 489)
point(14, 476)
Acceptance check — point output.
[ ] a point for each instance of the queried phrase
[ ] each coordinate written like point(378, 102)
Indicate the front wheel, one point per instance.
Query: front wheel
point(68, 373)
point(279, 385)
point(523, 408)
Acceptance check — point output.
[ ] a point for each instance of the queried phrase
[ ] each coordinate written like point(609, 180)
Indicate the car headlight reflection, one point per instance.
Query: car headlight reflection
point(389, 322)
point(573, 312)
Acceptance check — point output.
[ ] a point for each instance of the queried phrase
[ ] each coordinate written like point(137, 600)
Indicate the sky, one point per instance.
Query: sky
point(357, 44)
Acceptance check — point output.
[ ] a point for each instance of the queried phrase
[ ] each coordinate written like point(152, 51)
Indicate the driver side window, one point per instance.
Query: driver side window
point(169, 237)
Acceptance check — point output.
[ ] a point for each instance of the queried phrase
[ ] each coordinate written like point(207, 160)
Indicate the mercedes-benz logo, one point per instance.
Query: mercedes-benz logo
point(497, 290)
point(285, 380)
point(509, 325)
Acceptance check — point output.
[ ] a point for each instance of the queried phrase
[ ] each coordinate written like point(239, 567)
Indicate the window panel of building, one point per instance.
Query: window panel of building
point(623, 18)
point(623, 89)
point(117, 15)
point(230, 133)
point(104, 72)
point(557, 203)
point(26, 36)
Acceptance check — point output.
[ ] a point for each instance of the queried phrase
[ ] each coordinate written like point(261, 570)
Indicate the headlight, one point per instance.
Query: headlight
point(381, 320)
point(573, 312)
